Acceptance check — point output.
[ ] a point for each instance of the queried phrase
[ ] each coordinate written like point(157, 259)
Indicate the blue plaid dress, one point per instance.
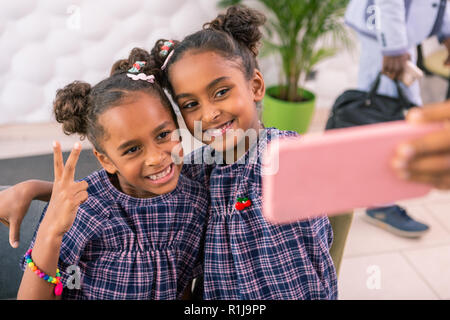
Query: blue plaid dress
point(247, 257)
point(130, 248)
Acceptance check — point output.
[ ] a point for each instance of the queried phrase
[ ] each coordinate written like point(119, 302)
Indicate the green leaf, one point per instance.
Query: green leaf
point(320, 55)
point(269, 48)
point(302, 33)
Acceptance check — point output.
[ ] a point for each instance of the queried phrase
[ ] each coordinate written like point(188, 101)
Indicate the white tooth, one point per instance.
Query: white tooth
point(160, 175)
point(213, 132)
point(218, 131)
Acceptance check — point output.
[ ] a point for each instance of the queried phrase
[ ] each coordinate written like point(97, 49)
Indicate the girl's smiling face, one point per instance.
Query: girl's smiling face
point(138, 146)
point(213, 91)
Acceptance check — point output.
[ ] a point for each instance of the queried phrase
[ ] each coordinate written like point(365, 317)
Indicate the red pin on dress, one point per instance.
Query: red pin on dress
point(242, 203)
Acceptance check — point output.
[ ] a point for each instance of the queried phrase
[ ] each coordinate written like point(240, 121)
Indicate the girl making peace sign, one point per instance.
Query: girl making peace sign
point(133, 228)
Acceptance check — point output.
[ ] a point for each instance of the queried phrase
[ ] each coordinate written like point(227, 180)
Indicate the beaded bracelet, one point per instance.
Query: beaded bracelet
point(54, 280)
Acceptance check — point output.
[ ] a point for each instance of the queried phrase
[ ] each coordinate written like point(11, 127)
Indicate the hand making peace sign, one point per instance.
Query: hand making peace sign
point(67, 195)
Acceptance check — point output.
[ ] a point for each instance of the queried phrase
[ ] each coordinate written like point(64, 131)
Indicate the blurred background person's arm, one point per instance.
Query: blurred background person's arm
point(392, 36)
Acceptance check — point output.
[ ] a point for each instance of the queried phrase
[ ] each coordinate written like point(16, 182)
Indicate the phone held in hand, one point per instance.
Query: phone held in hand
point(410, 73)
point(337, 171)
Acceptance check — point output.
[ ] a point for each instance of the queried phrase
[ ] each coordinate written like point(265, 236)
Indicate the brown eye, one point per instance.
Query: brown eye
point(190, 105)
point(222, 92)
point(163, 135)
point(132, 150)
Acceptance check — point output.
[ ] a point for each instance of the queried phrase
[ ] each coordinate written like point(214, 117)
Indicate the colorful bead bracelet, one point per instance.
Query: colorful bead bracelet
point(54, 280)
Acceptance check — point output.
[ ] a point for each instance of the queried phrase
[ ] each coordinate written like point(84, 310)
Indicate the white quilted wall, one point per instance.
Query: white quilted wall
point(45, 44)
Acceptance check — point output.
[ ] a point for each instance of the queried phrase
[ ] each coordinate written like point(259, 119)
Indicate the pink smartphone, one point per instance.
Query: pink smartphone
point(337, 171)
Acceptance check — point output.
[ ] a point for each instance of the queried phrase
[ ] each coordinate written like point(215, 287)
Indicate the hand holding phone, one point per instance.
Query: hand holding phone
point(337, 171)
point(410, 73)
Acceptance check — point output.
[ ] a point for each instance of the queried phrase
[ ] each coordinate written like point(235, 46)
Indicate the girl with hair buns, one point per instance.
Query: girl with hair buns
point(213, 77)
point(133, 229)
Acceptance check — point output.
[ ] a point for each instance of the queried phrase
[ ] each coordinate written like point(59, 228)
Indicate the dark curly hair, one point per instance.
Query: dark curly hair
point(78, 106)
point(235, 35)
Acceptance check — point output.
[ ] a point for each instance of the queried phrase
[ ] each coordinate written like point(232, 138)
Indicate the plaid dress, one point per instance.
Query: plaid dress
point(249, 258)
point(133, 248)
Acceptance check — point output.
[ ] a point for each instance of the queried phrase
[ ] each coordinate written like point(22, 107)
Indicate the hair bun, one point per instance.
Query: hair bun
point(119, 66)
point(136, 54)
point(71, 107)
point(242, 23)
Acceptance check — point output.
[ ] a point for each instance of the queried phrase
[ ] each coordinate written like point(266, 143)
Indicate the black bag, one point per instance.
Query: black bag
point(355, 107)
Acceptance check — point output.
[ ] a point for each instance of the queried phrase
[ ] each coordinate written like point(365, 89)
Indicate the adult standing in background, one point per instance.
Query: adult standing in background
point(389, 32)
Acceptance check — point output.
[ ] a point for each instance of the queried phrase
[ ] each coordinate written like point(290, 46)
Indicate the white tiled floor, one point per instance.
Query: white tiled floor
point(405, 268)
point(382, 276)
point(433, 265)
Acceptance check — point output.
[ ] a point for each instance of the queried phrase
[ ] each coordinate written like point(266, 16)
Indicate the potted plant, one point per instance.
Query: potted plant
point(302, 33)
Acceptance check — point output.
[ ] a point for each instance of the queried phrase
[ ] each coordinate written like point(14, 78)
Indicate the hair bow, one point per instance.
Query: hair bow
point(137, 66)
point(164, 51)
point(165, 48)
